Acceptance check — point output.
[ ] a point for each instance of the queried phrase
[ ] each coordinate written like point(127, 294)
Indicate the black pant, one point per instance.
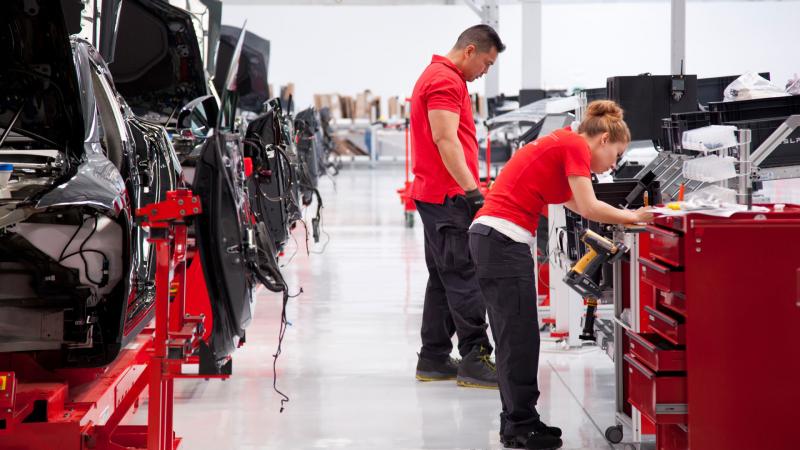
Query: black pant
point(506, 275)
point(453, 301)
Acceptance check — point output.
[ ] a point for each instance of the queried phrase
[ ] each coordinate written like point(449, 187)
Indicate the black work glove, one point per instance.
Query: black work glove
point(474, 201)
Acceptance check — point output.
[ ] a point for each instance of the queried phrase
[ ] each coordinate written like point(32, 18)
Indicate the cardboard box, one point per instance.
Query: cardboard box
point(287, 91)
point(348, 106)
point(361, 107)
point(336, 108)
point(393, 107)
point(375, 109)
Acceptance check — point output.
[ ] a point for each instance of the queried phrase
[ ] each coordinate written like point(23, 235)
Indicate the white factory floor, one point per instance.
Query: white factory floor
point(349, 356)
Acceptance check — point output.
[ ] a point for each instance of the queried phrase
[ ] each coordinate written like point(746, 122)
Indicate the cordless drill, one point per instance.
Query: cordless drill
point(580, 277)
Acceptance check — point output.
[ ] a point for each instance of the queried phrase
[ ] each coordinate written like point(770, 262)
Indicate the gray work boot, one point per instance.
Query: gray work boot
point(431, 370)
point(477, 370)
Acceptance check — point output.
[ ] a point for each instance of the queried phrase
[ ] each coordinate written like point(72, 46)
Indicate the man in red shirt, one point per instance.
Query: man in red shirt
point(445, 189)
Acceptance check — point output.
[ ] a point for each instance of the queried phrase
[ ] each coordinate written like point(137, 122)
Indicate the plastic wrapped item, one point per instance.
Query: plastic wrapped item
point(793, 86)
point(707, 207)
point(709, 169)
point(712, 194)
point(710, 138)
point(751, 86)
point(626, 316)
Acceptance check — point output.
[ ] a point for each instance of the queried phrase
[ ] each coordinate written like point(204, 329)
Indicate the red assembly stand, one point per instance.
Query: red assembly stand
point(715, 365)
point(409, 207)
point(76, 409)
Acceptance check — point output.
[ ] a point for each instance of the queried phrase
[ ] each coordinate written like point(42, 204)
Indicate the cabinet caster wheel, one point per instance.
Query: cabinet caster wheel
point(614, 434)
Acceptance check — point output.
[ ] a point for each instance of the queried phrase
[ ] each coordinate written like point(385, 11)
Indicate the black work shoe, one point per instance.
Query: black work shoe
point(513, 441)
point(534, 441)
point(477, 370)
point(541, 427)
point(431, 370)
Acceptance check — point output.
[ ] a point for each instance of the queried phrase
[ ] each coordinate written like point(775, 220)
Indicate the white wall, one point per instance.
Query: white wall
point(347, 49)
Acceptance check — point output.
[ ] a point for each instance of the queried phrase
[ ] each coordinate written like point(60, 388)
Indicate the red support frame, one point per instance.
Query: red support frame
point(42, 407)
point(409, 207)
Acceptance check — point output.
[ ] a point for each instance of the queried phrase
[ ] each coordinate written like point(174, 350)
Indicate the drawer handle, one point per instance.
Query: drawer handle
point(797, 299)
point(663, 232)
point(635, 364)
point(646, 263)
point(653, 315)
point(672, 408)
point(641, 341)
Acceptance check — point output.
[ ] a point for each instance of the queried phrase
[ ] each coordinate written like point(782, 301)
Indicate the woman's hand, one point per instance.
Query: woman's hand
point(643, 215)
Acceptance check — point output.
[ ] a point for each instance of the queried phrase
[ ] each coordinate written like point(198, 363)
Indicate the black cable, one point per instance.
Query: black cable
point(319, 204)
point(69, 242)
point(296, 246)
point(305, 228)
point(283, 197)
point(274, 285)
point(318, 220)
point(88, 250)
point(83, 258)
point(289, 179)
point(281, 333)
point(104, 276)
point(327, 240)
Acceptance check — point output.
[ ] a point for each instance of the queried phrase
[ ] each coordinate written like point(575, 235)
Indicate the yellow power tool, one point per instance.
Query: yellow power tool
point(581, 275)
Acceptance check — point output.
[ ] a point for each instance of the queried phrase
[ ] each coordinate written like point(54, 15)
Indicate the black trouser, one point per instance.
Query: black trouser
point(506, 275)
point(453, 302)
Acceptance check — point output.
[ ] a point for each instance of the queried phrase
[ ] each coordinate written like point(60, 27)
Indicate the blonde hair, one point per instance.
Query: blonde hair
point(605, 116)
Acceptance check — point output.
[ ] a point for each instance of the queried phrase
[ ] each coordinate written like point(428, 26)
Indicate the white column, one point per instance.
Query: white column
point(531, 44)
point(677, 36)
point(490, 15)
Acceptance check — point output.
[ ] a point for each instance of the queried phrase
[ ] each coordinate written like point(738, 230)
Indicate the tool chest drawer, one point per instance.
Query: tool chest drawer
point(666, 246)
point(662, 399)
point(655, 352)
point(668, 325)
point(676, 223)
point(661, 276)
point(673, 301)
point(672, 437)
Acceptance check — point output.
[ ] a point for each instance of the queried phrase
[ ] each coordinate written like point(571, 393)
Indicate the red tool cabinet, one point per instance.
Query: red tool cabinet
point(717, 365)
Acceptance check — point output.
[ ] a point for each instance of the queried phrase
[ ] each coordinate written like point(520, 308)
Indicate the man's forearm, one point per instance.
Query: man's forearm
point(453, 159)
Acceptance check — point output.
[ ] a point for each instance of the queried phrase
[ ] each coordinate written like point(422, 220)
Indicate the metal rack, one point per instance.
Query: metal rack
point(630, 237)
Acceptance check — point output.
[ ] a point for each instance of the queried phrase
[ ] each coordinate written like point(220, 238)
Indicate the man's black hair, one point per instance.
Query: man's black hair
point(483, 37)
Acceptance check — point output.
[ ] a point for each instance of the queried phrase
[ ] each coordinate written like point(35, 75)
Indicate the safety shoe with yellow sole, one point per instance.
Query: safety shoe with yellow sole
point(477, 370)
point(432, 370)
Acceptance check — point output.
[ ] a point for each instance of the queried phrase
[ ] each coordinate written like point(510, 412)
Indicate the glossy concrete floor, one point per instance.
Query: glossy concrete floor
point(349, 356)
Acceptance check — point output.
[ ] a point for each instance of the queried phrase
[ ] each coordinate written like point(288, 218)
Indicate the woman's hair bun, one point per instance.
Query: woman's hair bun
point(604, 108)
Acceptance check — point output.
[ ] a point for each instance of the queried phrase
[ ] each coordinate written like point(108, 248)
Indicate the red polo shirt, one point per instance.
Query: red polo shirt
point(536, 176)
point(441, 86)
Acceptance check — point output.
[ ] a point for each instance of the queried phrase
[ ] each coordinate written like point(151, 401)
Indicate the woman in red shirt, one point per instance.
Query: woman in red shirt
point(554, 169)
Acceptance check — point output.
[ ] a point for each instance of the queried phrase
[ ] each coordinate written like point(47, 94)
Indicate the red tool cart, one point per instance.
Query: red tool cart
point(45, 407)
point(714, 366)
